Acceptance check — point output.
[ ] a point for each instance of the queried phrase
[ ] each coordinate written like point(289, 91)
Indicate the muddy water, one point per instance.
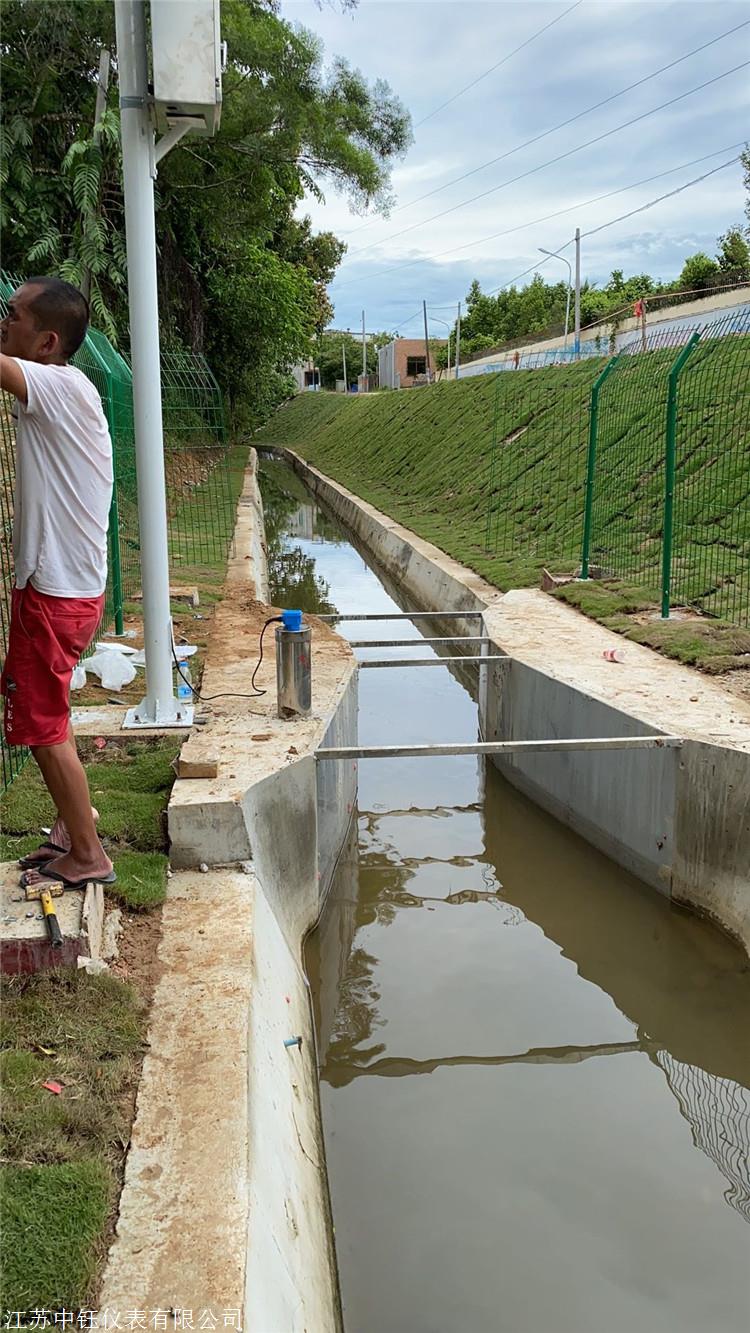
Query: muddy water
point(534, 1073)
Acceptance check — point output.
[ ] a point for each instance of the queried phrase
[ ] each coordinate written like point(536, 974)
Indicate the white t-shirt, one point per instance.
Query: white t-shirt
point(63, 484)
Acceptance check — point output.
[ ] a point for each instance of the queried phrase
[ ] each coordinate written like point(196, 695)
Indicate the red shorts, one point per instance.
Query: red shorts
point(47, 637)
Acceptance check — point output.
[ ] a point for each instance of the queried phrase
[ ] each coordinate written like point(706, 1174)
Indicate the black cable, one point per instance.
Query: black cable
point(492, 68)
point(553, 161)
point(533, 222)
point(491, 162)
point(209, 698)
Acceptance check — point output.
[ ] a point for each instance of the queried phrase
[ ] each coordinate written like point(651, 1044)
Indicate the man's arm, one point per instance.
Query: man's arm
point(12, 378)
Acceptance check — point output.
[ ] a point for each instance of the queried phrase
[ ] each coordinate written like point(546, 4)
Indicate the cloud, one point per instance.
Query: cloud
point(428, 50)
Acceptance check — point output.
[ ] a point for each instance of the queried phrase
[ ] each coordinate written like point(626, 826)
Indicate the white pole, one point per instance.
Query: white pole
point(159, 707)
point(426, 344)
point(343, 354)
point(364, 349)
point(458, 338)
point(577, 341)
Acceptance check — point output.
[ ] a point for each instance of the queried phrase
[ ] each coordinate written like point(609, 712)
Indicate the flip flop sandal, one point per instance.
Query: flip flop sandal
point(55, 877)
point(54, 850)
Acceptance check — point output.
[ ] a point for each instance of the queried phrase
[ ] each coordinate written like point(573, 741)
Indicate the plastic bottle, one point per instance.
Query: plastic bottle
point(613, 655)
point(184, 682)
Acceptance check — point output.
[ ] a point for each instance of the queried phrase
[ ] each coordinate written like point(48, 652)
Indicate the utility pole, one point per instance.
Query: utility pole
point(343, 357)
point(577, 335)
point(458, 339)
point(364, 351)
point(426, 344)
point(160, 707)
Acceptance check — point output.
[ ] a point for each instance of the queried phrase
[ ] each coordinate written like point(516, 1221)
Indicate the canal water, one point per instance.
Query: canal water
point(534, 1073)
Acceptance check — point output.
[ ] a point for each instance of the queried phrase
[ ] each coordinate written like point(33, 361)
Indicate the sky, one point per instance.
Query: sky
point(429, 50)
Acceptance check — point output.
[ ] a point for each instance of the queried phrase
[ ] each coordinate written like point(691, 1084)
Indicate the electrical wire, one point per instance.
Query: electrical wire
point(561, 157)
point(547, 217)
point(562, 125)
point(209, 698)
point(504, 61)
point(670, 195)
point(641, 209)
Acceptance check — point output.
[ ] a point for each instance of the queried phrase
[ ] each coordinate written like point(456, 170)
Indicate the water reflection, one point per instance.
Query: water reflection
point(535, 1072)
point(291, 519)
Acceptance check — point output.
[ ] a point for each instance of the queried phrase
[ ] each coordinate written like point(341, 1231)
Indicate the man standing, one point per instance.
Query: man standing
point(61, 511)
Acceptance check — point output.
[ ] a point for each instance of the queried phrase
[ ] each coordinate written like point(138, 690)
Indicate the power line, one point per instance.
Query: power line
point(547, 217)
point(594, 230)
point(562, 125)
point(504, 61)
point(561, 157)
point(670, 195)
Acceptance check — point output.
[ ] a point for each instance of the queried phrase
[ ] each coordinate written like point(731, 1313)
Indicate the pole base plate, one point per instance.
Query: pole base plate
point(171, 713)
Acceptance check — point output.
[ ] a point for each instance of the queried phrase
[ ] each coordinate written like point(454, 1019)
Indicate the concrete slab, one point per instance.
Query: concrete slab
point(547, 634)
point(107, 721)
point(181, 1231)
point(24, 943)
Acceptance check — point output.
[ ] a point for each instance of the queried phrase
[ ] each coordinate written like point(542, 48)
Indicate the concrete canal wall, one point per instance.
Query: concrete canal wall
point(680, 819)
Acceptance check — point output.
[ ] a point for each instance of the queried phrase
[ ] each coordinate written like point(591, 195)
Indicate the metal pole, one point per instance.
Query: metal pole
point(343, 353)
point(577, 325)
point(588, 508)
point(458, 339)
point(670, 463)
point(426, 343)
point(364, 348)
point(653, 742)
point(159, 707)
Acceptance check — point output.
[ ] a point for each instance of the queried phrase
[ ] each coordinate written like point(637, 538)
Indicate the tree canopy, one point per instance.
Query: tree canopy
point(242, 275)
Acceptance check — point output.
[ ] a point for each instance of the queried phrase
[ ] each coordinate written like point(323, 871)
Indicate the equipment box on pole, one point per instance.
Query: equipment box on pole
point(187, 63)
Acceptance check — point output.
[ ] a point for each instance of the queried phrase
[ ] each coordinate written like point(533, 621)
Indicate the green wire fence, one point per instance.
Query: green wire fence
point(626, 488)
point(710, 550)
point(537, 466)
point(199, 493)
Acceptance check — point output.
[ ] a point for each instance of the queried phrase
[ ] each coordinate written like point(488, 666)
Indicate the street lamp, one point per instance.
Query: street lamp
point(553, 255)
point(448, 327)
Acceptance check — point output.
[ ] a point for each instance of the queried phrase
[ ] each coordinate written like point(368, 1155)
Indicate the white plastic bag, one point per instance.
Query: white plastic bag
point(113, 669)
point(78, 679)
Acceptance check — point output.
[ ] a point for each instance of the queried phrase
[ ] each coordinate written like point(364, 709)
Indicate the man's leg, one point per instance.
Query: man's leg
point(58, 834)
point(65, 779)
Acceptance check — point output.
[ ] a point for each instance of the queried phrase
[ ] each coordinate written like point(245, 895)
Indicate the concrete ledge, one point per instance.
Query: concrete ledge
point(181, 1230)
point(225, 1203)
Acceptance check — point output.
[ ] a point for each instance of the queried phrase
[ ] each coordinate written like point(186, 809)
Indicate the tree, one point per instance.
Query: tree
point(329, 355)
point(225, 207)
point(697, 272)
point(734, 253)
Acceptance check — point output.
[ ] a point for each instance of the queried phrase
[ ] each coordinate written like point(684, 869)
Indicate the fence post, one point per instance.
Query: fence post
point(670, 463)
point(591, 466)
point(108, 405)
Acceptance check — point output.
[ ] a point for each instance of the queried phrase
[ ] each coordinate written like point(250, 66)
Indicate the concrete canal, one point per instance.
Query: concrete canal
point(534, 1070)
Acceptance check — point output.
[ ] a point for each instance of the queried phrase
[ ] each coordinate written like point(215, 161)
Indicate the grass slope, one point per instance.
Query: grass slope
point(492, 470)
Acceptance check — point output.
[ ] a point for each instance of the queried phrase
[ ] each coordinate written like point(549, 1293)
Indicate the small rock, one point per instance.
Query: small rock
point(203, 868)
point(694, 698)
point(246, 867)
